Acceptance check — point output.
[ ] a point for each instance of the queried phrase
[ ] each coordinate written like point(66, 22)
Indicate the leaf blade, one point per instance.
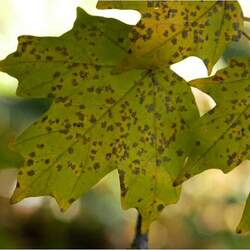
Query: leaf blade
point(223, 133)
point(244, 225)
point(188, 28)
point(99, 121)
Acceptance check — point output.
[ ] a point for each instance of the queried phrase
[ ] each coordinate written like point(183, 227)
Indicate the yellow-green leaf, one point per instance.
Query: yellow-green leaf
point(100, 121)
point(244, 225)
point(222, 135)
point(170, 31)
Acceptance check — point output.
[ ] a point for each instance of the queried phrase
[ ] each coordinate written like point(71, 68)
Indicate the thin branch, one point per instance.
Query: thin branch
point(245, 35)
point(246, 19)
point(140, 240)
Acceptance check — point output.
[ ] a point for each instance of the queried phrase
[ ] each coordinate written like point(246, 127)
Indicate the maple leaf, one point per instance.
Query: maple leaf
point(244, 225)
point(100, 121)
point(170, 31)
point(222, 135)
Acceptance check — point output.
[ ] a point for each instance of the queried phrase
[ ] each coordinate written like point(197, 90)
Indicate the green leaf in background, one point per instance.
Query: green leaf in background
point(222, 135)
point(244, 225)
point(8, 159)
point(16, 114)
point(170, 31)
point(100, 121)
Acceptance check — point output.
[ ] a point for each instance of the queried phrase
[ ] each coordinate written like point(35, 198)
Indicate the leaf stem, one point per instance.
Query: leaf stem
point(140, 240)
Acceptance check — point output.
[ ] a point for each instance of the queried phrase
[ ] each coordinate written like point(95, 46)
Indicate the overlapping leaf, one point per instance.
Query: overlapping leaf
point(244, 225)
point(100, 121)
point(173, 30)
point(222, 136)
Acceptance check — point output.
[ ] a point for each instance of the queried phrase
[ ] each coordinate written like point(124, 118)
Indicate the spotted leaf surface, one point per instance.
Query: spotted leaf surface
point(170, 31)
point(100, 121)
point(244, 225)
point(222, 135)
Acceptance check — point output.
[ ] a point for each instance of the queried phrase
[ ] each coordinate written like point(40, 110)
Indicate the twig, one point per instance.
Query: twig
point(140, 240)
point(247, 19)
point(245, 35)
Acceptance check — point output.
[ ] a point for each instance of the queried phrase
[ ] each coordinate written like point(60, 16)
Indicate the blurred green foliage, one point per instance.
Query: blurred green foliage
point(16, 114)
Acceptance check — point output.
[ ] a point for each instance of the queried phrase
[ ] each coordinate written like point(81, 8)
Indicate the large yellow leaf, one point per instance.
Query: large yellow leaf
point(100, 121)
point(170, 31)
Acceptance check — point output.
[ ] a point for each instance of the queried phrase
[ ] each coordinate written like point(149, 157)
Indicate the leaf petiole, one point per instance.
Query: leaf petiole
point(141, 239)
